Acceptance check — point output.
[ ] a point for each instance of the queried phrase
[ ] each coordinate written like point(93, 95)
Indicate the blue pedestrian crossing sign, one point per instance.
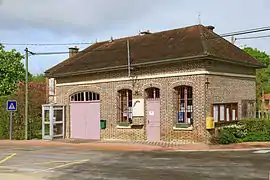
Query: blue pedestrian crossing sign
point(11, 105)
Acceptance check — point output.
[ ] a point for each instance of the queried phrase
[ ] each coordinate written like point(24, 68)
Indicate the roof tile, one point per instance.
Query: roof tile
point(177, 43)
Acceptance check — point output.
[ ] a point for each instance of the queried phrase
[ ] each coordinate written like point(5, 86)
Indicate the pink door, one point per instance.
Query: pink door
point(153, 120)
point(92, 119)
point(85, 120)
point(77, 120)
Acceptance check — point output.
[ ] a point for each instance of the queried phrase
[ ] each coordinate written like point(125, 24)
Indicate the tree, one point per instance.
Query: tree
point(38, 78)
point(262, 75)
point(11, 70)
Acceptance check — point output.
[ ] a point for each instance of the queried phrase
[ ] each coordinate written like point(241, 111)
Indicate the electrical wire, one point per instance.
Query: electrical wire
point(40, 44)
point(253, 37)
point(89, 43)
point(246, 31)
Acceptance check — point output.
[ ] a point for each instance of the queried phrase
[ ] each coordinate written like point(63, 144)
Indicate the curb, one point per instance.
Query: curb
point(217, 150)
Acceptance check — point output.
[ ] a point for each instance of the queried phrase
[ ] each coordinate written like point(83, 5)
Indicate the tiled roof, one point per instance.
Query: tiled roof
point(188, 42)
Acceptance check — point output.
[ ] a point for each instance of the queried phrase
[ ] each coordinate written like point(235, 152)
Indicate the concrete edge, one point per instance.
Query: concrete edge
point(217, 150)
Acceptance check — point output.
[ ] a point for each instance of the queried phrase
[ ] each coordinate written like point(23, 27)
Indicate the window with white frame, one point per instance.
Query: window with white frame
point(85, 96)
point(184, 104)
point(125, 105)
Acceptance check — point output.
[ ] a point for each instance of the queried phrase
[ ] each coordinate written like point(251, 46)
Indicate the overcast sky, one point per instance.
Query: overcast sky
point(66, 21)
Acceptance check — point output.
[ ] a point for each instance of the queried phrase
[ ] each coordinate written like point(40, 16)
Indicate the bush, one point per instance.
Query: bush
point(256, 125)
point(246, 131)
point(257, 136)
point(37, 97)
point(226, 136)
point(4, 119)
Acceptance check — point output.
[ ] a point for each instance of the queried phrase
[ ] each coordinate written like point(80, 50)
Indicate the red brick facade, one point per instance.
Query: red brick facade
point(232, 84)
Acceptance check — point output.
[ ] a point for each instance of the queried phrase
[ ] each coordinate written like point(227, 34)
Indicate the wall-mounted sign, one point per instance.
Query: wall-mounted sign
point(138, 107)
point(51, 86)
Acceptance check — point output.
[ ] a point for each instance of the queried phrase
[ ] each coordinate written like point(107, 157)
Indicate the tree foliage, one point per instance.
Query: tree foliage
point(262, 75)
point(37, 97)
point(11, 70)
point(38, 78)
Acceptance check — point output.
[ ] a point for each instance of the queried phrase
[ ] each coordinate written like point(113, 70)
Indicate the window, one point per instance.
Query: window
point(125, 105)
point(225, 112)
point(184, 104)
point(153, 93)
point(84, 96)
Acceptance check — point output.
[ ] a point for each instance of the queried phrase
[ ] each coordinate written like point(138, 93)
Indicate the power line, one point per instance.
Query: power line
point(253, 37)
point(41, 44)
point(246, 31)
point(89, 43)
point(96, 50)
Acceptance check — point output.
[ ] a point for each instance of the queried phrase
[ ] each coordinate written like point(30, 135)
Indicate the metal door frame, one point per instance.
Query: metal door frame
point(51, 122)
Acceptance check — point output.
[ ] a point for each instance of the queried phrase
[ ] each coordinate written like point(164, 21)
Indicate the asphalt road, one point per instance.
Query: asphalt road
point(65, 163)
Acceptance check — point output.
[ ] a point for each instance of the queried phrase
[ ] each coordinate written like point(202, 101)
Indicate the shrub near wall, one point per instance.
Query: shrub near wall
point(37, 97)
point(4, 119)
point(248, 130)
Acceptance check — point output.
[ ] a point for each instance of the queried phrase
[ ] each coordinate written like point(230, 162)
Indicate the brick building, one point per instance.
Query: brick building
point(155, 86)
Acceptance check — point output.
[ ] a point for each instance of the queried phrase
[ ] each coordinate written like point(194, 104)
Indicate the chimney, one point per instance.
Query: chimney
point(145, 32)
point(210, 28)
point(73, 51)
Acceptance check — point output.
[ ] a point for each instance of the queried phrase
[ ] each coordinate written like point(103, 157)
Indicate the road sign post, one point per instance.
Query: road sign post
point(10, 126)
point(11, 106)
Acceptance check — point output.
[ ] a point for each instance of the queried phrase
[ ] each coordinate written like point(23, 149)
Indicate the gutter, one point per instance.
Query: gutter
point(124, 67)
point(236, 62)
point(197, 57)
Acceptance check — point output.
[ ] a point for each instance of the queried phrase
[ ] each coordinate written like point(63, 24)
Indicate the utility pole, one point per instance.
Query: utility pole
point(26, 93)
point(263, 103)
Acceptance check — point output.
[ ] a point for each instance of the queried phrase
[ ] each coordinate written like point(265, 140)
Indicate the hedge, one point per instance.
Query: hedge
point(37, 97)
point(247, 130)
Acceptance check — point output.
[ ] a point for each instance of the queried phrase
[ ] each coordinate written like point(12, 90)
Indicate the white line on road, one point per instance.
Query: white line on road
point(262, 151)
point(61, 166)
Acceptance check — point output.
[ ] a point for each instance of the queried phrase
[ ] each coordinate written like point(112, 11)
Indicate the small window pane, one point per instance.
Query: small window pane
point(227, 114)
point(233, 115)
point(98, 98)
point(82, 96)
point(86, 96)
point(222, 115)
point(91, 96)
point(189, 92)
point(216, 113)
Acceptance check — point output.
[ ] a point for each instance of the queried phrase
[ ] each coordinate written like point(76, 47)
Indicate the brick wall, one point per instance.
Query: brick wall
point(108, 94)
point(231, 89)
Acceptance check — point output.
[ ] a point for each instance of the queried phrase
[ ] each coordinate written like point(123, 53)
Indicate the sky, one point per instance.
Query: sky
point(72, 21)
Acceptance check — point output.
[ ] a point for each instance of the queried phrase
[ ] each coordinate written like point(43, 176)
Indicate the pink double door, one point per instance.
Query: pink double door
point(153, 120)
point(85, 120)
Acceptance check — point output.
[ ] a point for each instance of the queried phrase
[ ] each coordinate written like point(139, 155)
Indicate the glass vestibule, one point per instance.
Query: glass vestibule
point(53, 121)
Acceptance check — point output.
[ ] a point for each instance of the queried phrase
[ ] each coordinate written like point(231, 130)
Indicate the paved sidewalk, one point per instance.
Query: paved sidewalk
point(121, 146)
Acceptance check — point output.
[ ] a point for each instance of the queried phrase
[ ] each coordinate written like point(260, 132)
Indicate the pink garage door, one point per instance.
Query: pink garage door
point(85, 116)
point(153, 114)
